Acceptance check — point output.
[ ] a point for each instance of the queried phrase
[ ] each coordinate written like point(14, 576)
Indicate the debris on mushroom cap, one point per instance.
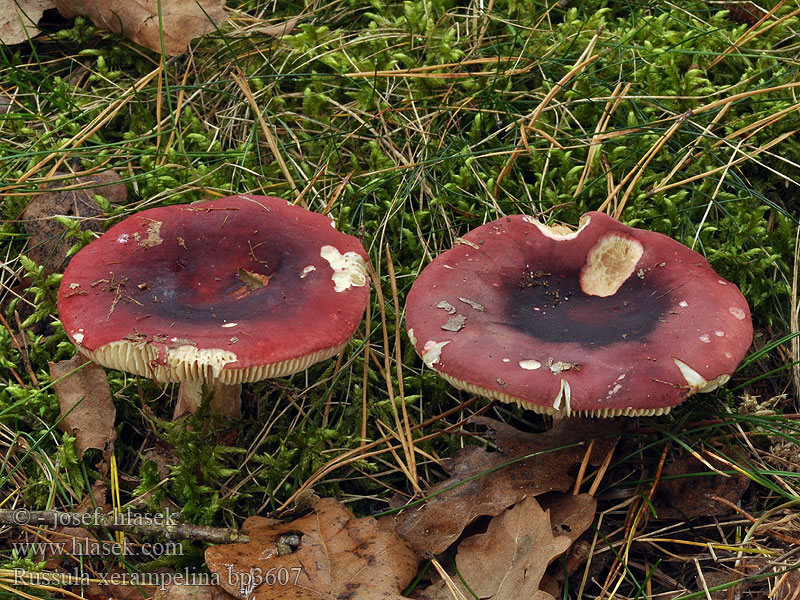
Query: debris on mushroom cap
point(605, 320)
point(231, 290)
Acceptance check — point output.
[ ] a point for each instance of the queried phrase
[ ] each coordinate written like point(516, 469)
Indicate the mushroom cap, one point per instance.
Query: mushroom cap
point(605, 320)
point(232, 290)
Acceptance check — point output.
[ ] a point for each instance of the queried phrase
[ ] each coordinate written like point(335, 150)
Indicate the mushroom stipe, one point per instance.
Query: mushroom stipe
point(605, 320)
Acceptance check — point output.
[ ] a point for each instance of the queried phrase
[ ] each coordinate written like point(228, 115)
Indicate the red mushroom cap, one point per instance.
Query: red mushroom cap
point(232, 290)
point(606, 320)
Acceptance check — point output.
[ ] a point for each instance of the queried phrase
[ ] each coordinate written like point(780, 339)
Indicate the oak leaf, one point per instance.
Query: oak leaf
point(18, 19)
point(509, 560)
point(180, 20)
point(688, 488)
point(486, 483)
point(324, 555)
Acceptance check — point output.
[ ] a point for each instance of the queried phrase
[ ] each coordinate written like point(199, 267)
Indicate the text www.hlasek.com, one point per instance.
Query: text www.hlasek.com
point(96, 548)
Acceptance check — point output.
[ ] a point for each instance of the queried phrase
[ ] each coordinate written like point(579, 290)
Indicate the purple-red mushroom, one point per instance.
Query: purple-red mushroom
point(215, 294)
point(605, 320)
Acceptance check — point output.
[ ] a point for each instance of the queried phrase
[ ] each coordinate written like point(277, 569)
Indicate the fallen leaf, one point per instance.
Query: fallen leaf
point(324, 555)
point(95, 499)
point(18, 19)
point(486, 483)
point(85, 399)
point(509, 560)
point(163, 456)
point(47, 245)
point(182, 20)
point(570, 514)
point(684, 493)
point(153, 238)
point(253, 280)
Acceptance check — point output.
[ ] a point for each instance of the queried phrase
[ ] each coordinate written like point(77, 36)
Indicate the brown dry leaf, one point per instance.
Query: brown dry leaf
point(183, 20)
point(509, 560)
point(95, 499)
point(338, 556)
point(18, 19)
point(689, 496)
point(85, 399)
point(47, 245)
point(489, 488)
point(570, 515)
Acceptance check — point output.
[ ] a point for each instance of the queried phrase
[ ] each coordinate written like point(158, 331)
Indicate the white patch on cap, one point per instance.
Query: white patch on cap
point(696, 382)
point(123, 238)
point(506, 360)
point(737, 312)
point(614, 390)
point(609, 264)
point(412, 337)
point(722, 281)
point(558, 233)
point(78, 337)
point(431, 352)
point(349, 269)
point(530, 365)
point(692, 377)
point(705, 338)
point(307, 270)
point(564, 394)
point(719, 333)
point(230, 325)
point(683, 304)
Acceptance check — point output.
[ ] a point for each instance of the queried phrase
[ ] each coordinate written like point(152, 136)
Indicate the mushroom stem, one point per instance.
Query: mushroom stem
point(226, 400)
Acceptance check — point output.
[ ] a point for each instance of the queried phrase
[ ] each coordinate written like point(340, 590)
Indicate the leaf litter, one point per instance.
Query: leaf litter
point(144, 20)
point(324, 555)
point(688, 488)
point(329, 553)
point(141, 21)
point(86, 406)
point(18, 19)
point(484, 483)
point(47, 245)
point(510, 558)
